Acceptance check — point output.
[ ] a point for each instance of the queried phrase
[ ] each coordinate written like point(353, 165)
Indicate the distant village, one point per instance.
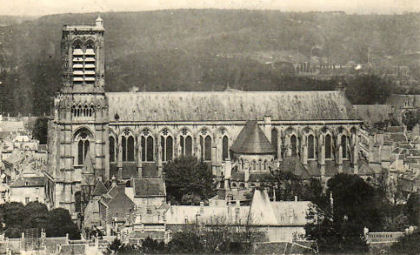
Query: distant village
point(256, 166)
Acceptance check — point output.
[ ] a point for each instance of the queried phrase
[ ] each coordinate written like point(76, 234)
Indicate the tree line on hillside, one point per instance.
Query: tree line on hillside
point(199, 50)
point(15, 218)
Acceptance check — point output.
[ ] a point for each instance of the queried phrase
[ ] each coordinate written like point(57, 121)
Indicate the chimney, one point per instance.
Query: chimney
point(228, 169)
point(114, 181)
point(201, 208)
point(237, 210)
point(247, 175)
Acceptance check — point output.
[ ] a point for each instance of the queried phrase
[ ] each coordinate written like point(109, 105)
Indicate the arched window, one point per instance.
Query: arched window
point(274, 137)
point(293, 145)
point(147, 146)
point(150, 148)
point(344, 145)
point(259, 164)
point(130, 148)
point(111, 149)
point(265, 165)
point(207, 155)
point(311, 147)
point(166, 142)
point(225, 148)
point(127, 144)
point(185, 141)
point(82, 139)
point(205, 144)
point(78, 201)
point(124, 148)
point(254, 165)
point(328, 148)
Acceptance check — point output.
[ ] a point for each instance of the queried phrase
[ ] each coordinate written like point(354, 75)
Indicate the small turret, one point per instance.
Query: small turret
point(99, 22)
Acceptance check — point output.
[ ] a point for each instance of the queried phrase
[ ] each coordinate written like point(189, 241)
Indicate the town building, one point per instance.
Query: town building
point(29, 186)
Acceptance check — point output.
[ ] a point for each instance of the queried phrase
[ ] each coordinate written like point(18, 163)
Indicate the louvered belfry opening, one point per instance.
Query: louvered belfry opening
point(84, 64)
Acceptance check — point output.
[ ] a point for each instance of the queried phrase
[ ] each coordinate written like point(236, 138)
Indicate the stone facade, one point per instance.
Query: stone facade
point(132, 135)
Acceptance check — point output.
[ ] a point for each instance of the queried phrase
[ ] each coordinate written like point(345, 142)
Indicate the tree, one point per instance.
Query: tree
point(60, 223)
point(40, 130)
point(12, 215)
point(410, 119)
point(288, 185)
point(187, 177)
point(338, 226)
point(36, 215)
point(413, 209)
point(408, 244)
point(185, 242)
point(368, 89)
point(152, 246)
point(115, 245)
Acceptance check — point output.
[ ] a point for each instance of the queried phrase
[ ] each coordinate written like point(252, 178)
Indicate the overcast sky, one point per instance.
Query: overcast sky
point(44, 7)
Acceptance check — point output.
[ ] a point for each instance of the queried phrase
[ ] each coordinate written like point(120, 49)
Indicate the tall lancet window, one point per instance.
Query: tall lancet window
point(82, 140)
point(311, 147)
point(225, 147)
point(111, 149)
point(344, 146)
point(127, 144)
point(205, 145)
point(166, 143)
point(185, 141)
point(274, 137)
point(147, 146)
point(328, 148)
point(293, 145)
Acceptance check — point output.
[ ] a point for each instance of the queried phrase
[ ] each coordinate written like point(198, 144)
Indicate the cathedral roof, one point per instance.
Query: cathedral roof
point(251, 140)
point(229, 105)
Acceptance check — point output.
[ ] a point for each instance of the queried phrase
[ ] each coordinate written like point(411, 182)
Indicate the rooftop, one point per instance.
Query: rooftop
point(251, 140)
point(229, 105)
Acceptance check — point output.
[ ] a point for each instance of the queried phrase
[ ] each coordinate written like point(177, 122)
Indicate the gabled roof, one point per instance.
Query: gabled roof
point(229, 105)
point(251, 140)
point(100, 189)
point(261, 212)
point(149, 187)
point(122, 201)
point(295, 166)
point(34, 181)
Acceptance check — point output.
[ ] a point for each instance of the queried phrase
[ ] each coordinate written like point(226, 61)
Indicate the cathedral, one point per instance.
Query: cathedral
point(98, 136)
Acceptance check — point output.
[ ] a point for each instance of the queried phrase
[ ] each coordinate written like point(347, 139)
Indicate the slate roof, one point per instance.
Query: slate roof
point(100, 189)
point(229, 105)
point(33, 181)
point(121, 201)
point(251, 140)
point(295, 166)
point(373, 113)
point(149, 187)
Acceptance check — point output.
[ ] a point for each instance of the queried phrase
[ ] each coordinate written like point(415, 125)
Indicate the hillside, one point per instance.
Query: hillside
point(196, 50)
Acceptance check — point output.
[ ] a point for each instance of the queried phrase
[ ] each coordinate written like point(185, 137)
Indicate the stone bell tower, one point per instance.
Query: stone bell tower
point(80, 117)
